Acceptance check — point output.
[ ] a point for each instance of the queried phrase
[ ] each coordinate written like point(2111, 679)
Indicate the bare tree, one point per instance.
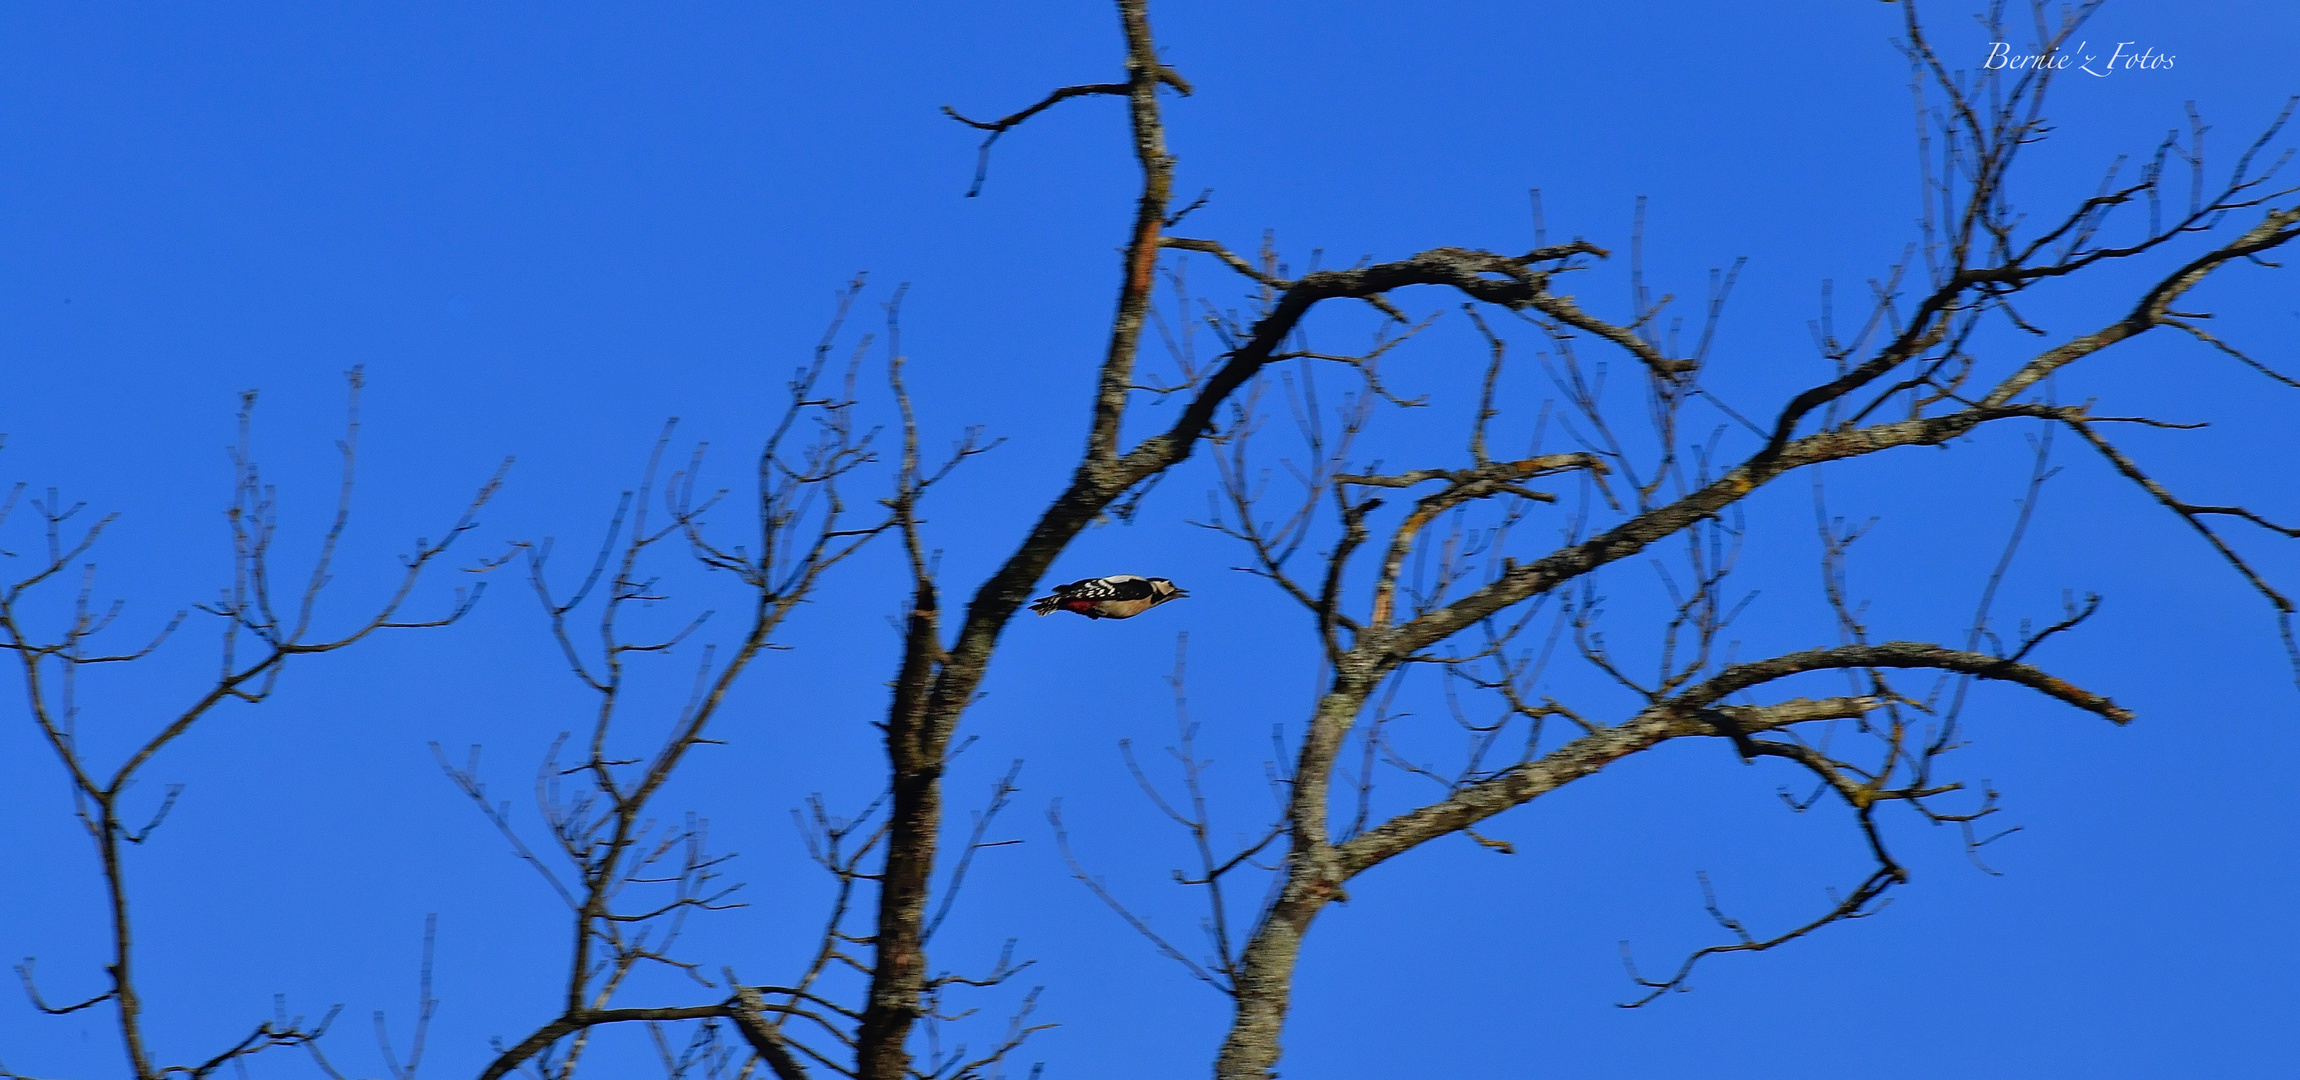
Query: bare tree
point(1439, 585)
point(1459, 584)
point(262, 629)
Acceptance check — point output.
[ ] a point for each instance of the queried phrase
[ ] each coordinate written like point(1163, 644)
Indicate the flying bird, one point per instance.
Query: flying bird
point(1119, 596)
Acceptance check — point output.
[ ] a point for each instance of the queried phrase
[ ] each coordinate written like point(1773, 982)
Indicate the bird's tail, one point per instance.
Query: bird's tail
point(1045, 605)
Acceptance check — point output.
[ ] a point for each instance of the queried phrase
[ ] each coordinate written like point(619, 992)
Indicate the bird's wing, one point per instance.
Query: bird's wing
point(1109, 588)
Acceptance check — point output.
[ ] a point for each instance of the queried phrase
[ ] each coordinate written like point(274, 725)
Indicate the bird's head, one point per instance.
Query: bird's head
point(1163, 590)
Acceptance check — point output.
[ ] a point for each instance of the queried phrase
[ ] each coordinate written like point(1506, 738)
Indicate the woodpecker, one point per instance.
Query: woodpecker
point(1119, 596)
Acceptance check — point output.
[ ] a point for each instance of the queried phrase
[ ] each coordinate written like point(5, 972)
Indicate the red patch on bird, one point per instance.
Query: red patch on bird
point(1080, 606)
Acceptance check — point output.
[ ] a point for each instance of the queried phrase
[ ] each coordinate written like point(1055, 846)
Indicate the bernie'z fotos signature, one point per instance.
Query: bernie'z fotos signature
point(2001, 57)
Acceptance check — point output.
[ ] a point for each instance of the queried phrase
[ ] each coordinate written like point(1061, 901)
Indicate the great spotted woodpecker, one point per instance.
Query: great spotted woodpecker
point(1119, 596)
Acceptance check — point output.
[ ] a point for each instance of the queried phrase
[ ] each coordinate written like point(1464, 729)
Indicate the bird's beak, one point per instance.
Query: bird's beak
point(1179, 594)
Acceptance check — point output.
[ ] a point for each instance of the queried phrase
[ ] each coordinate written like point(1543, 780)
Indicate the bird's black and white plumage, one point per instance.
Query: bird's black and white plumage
point(1119, 596)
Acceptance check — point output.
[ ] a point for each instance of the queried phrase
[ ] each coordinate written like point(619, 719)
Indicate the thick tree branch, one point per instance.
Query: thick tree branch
point(1684, 715)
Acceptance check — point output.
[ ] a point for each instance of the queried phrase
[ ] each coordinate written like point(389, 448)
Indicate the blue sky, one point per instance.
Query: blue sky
point(543, 231)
